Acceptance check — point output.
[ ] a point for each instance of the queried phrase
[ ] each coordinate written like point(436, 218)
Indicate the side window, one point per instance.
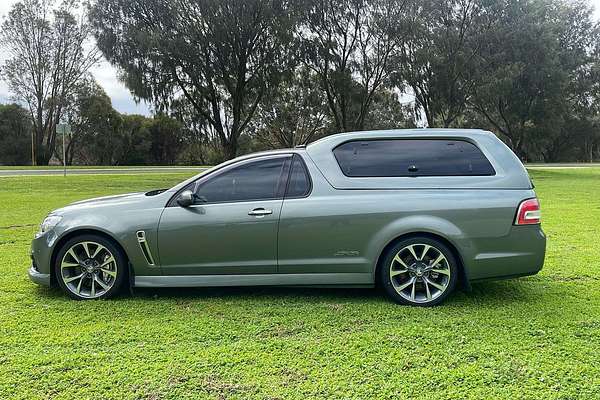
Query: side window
point(299, 181)
point(411, 157)
point(258, 180)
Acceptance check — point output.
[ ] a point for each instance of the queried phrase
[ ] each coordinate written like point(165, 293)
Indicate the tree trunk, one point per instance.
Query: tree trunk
point(230, 148)
point(40, 156)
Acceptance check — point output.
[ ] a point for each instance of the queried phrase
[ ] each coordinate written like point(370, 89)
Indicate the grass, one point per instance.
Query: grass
point(531, 338)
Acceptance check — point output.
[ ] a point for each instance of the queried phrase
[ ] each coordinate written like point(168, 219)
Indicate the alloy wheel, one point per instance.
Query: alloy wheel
point(88, 269)
point(420, 273)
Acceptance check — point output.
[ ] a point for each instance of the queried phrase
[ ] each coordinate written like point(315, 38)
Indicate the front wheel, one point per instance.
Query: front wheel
point(90, 267)
point(419, 271)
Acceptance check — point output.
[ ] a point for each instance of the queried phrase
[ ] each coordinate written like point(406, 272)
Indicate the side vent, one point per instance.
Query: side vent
point(141, 237)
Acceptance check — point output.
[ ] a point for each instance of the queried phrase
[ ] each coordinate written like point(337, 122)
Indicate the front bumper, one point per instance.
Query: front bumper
point(41, 255)
point(38, 277)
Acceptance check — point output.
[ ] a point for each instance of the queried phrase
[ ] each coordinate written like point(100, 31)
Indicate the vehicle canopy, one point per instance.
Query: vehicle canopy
point(508, 171)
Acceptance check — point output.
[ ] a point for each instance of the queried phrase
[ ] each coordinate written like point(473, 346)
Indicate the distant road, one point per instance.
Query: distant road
point(99, 171)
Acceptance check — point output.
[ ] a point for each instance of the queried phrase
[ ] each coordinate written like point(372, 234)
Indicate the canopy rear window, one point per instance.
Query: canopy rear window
point(411, 157)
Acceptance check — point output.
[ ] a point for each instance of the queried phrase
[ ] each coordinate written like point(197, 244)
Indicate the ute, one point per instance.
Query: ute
point(416, 212)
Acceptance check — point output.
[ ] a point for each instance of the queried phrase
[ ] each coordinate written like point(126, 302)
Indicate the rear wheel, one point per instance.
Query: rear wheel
point(419, 271)
point(90, 267)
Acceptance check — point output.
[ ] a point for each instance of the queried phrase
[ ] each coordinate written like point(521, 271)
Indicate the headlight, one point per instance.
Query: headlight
point(49, 222)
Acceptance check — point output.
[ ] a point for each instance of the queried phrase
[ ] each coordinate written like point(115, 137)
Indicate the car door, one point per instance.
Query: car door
point(232, 226)
point(320, 233)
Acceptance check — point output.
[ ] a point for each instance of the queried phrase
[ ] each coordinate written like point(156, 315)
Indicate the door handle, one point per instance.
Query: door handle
point(260, 212)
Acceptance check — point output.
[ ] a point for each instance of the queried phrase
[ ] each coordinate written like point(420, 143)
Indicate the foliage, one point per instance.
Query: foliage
point(527, 70)
point(294, 114)
point(223, 57)
point(166, 138)
point(135, 140)
point(102, 136)
point(201, 144)
point(387, 112)
point(15, 135)
point(95, 127)
point(348, 45)
point(259, 74)
point(530, 66)
point(438, 62)
point(47, 58)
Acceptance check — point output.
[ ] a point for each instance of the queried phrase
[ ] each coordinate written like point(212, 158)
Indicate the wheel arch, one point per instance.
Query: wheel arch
point(86, 231)
point(463, 281)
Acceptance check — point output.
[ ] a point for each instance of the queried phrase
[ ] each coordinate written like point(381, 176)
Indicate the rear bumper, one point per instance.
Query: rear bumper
point(520, 253)
point(38, 277)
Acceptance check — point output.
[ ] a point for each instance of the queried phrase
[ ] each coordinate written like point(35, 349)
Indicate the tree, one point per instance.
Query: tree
point(584, 103)
point(95, 127)
point(47, 58)
point(166, 134)
point(388, 113)
point(136, 140)
point(102, 136)
point(201, 142)
point(439, 60)
point(348, 45)
point(15, 134)
point(222, 56)
point(577, 133)
point(295, 114)
point(529, 66)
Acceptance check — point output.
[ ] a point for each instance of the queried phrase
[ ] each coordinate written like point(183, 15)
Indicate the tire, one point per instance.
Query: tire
point(90, 267)
point(424, 276)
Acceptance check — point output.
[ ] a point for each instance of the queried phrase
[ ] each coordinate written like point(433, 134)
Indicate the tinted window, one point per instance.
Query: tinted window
point(299, 182)
point(257, 180)
point(411, 157)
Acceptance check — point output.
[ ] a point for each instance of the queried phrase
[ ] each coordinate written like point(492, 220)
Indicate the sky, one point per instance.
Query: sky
point(107, 76)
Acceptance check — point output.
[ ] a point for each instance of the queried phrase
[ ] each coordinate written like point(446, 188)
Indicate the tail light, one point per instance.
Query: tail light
point(528, 212)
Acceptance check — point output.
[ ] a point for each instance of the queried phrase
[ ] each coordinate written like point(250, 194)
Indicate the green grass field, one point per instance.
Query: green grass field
point(536, 337)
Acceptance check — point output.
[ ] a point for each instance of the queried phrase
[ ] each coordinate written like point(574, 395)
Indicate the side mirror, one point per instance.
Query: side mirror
point(186, 198)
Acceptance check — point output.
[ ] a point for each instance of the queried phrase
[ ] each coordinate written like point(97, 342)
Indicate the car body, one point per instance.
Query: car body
point(335, 215)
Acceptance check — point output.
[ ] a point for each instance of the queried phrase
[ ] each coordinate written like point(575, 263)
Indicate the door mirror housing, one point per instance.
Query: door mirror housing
point(186, 198)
